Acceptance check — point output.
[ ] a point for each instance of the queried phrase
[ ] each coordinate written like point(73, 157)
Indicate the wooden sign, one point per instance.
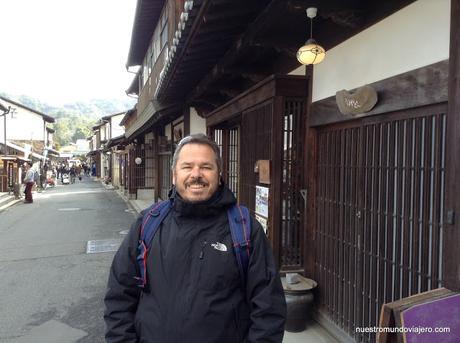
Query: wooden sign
point(360, 101)
point(263, 168)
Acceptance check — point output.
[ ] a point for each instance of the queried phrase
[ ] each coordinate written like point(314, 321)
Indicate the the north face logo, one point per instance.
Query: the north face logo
point(219, 246)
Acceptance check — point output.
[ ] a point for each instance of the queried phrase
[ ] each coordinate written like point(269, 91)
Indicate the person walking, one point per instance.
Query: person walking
point(29, 181)
point(195, 290)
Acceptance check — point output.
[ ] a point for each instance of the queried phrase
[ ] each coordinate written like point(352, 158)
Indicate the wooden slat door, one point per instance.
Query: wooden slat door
point(380, 199)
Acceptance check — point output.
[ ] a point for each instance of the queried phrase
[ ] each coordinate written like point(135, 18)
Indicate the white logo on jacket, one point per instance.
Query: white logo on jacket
point(219, 246)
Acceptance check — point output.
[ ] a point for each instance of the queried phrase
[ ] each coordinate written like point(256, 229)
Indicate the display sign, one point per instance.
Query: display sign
point(10, 175)
point(262, 201)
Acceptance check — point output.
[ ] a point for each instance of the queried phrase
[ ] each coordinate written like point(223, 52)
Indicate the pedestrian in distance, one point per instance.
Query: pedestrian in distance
point(186, 280)
point(29, 181)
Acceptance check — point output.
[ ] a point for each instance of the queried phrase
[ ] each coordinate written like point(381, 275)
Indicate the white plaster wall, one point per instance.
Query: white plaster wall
point(2, 125)
point(116, 170)
point(197, 124)
point(23, 125)
point(103, 130)
point(168, 131)
point(298, 71)
point(415, 36)
point(117, 130)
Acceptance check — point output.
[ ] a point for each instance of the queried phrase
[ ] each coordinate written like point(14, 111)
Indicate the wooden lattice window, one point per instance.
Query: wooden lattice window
point(228, 142)
point(292, 208)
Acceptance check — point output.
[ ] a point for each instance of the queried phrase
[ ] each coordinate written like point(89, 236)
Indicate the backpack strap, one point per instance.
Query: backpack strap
point(150, 224)
point(240, 228)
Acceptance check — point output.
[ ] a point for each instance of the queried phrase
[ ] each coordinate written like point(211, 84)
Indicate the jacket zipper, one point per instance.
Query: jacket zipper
point(237, 324)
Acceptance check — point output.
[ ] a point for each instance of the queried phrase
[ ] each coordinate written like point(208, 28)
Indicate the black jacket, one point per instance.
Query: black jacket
point(195, 291)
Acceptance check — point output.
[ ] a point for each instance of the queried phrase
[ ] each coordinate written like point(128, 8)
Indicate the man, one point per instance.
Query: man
point(196, 294)
point(29, 181)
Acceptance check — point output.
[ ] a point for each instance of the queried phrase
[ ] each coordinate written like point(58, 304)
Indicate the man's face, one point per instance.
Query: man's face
point(196, 176)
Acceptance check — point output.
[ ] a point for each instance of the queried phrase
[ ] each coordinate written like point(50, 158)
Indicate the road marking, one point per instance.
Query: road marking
point(103, 245)
point(49, 195)
point(124, 232)
point(69, 209)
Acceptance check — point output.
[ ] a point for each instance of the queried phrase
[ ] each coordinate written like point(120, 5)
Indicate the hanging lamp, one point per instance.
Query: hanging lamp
point(311, 52)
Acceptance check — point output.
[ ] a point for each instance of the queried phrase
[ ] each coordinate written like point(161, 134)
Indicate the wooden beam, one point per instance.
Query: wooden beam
point(229, 93)
point(451, 257)
point(232, 53)
point(424, 86)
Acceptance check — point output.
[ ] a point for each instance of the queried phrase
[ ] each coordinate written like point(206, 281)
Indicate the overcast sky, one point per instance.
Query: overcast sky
point(63, 50)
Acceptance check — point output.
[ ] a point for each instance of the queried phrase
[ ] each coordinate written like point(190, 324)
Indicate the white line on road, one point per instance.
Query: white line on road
point(48, 195)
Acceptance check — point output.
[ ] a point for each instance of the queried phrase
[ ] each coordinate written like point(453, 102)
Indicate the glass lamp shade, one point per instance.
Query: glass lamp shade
point(311, 53)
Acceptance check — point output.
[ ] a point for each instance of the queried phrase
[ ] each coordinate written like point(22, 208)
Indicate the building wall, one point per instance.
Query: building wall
point(415, 36)
point(197, 124)
point(103, 132)
point(22, 124)
point(117, 130)
point(116, 169)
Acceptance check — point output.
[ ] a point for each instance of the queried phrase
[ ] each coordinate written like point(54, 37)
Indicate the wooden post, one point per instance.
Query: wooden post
point(310, 170)
point(451, 257)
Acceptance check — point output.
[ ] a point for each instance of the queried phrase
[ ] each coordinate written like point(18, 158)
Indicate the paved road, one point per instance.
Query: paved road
point(51, 290)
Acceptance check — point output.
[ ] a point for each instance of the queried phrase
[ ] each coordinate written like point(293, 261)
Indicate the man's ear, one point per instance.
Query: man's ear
point(174, 177)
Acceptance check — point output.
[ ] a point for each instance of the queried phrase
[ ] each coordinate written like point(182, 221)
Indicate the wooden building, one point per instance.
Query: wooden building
point(363, 202)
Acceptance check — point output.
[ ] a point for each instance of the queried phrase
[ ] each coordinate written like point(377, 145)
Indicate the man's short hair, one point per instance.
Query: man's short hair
point(198, 138)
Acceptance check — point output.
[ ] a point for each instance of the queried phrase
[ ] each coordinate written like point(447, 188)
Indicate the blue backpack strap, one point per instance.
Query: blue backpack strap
point(240, 228)
point(150, 224)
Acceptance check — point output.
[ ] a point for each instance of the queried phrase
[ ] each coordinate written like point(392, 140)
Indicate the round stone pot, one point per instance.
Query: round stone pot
point(299, 301)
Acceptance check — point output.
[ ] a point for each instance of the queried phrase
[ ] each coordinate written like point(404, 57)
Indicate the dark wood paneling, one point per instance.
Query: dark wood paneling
point(275, 157)
point(452, 232)
point(256, 145)
point(287, 85)
point(419, 87)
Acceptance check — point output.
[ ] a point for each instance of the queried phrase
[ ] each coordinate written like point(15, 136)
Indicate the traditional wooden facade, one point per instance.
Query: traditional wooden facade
point(364, 203)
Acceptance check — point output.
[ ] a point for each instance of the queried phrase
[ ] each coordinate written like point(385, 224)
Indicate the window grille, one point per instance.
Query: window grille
point(380, 200)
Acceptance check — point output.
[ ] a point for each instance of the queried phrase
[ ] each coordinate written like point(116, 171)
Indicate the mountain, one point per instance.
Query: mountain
point(74, 120)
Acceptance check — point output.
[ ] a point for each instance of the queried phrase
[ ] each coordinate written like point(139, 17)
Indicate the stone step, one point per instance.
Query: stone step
point(7, 200)
point(4, 197)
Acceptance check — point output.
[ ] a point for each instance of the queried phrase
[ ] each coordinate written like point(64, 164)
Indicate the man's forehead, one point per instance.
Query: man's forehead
point(197, 152)
point(197, 149)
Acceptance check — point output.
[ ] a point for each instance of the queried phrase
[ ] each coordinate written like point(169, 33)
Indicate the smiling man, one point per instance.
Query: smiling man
point(196, 289)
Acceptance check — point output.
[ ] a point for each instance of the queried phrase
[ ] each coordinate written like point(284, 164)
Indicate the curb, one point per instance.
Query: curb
point(11, 203)
point(130, 203)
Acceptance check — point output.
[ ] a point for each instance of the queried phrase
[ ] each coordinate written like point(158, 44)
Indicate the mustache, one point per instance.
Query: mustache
point(198, 182)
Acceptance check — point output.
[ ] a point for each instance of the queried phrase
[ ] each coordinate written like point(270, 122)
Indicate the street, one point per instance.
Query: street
point(51, 288)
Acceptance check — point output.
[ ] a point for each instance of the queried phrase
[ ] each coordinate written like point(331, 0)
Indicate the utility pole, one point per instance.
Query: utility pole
point(5, 112)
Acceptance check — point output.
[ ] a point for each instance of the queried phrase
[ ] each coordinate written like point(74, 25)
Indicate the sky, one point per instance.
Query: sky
point(63, 51)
